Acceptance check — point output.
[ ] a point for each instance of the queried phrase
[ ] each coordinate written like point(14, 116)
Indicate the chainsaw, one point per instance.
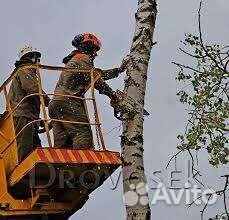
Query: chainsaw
point(126, 107)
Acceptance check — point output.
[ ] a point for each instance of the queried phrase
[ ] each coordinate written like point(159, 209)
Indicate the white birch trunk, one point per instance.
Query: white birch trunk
point(135, 87)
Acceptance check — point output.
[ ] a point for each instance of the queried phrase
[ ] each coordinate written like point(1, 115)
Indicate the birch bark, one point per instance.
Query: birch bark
point(135, 87)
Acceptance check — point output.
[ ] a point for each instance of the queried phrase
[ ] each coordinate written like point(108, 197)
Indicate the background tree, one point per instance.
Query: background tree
point(135, 87)
point(205, 93)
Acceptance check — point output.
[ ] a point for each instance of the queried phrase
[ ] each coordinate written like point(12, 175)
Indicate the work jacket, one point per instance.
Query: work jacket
point(25, 83)
point(76, 84)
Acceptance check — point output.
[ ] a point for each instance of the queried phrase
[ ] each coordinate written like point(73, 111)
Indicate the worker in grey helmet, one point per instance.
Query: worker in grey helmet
point(72, 135)
point(26, 110)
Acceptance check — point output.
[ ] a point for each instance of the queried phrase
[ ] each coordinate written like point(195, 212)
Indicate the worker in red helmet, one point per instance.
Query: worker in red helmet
point(78, 136)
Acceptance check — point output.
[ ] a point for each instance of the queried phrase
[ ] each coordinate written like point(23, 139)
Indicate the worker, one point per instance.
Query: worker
point(25, 83)
point(78, 136)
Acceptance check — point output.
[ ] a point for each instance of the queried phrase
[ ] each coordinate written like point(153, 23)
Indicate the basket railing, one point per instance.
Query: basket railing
point(10, 111)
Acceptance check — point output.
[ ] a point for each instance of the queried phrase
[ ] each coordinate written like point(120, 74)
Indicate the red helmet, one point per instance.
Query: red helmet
point(88, 41)
point(87, 37)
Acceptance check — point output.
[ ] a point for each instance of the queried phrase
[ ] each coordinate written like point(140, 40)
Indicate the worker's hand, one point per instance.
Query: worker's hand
point(123, 108)
point(115, 99)
point(125, 62)
point(115, 102)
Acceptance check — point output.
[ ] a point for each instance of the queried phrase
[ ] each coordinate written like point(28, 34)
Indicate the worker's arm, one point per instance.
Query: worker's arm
point(104, 88)
point(122, 109)
point(29, 83)
point(114, 73)
point(111, 73)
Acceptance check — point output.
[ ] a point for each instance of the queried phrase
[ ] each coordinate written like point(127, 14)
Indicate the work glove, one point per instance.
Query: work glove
point(124, 63)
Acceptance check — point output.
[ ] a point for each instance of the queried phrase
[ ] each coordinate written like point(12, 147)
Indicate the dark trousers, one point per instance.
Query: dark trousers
point(28, 139)
point(70, 135)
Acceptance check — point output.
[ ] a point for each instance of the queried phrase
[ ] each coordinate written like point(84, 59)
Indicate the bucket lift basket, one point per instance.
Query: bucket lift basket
point(50, 180)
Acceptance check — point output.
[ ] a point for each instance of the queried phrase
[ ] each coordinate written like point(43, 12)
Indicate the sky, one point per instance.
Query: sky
point(51, 25)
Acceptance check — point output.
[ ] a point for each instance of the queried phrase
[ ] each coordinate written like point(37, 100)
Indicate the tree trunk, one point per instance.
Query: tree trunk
point(134, 179)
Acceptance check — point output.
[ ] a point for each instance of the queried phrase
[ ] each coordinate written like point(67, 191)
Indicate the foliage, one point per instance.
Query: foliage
point(205, 94)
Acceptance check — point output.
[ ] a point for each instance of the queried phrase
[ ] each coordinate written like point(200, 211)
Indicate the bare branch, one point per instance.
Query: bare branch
point(220, 192)
point(191, 55)
point(201, 39)
point(174, 156)
point(187, 67)
point(205, 207)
